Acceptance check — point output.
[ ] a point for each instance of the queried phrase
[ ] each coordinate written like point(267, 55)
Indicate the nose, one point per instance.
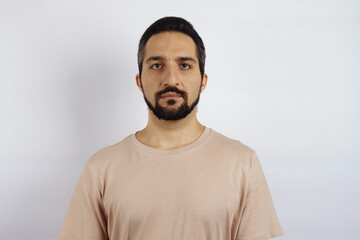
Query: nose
point(171, 77)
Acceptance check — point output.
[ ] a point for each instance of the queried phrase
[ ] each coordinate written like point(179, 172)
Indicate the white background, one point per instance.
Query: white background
point(284, 78)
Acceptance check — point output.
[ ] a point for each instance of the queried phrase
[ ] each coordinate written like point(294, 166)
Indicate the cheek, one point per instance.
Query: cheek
point(147, 83)
point(151, 82)
point(196, 84)
point(148, 91)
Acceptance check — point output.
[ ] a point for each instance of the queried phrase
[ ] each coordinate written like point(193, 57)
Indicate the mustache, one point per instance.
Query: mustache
point(170, 89)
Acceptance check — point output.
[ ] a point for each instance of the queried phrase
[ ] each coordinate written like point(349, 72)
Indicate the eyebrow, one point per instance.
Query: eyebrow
point(187, 59)
point(154, 58)
point(157, 58)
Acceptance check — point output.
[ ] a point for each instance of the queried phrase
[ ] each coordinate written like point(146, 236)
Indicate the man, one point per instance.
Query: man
point(175, 179)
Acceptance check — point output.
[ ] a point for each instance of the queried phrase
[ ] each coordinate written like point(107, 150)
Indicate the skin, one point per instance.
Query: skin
point(170, 60)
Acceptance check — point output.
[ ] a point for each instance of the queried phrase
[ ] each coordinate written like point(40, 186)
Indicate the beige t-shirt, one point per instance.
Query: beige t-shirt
point(212, 189)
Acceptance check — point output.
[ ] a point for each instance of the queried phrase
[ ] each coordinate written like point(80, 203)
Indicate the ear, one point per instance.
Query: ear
point(138, 82)
point(204, 82)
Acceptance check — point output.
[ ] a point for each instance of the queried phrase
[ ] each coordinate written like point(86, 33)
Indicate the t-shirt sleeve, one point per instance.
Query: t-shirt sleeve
point(85, 218)
point(259, 220)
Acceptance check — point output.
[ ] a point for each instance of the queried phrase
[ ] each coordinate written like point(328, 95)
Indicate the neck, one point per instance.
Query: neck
point(163, 134)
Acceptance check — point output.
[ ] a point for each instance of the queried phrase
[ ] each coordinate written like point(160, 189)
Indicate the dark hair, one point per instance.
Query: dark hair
point(176, 24)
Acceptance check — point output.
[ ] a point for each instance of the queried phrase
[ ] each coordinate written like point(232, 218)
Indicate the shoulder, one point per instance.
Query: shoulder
point(230, 144)
point(104, 156)
point(233, 148)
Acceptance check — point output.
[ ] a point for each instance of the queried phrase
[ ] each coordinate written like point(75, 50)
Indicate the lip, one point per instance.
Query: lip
point(170, 96)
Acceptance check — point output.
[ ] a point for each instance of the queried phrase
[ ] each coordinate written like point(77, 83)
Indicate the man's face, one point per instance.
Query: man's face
point(171, 80)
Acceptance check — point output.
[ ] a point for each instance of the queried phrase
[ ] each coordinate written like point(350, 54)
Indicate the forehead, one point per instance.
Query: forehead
point(169, 44)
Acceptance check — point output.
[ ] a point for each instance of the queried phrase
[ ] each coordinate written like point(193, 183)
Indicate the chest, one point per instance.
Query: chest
point(170, 191)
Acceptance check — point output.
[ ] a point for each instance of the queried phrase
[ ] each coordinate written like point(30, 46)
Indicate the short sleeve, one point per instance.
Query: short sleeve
point(259, 220)
point(85, 218)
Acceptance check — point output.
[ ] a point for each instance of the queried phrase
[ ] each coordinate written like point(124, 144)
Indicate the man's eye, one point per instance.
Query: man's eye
point(156, 66)
point(185, 66)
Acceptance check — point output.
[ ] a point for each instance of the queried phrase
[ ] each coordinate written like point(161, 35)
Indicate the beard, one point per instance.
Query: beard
point(172, 114)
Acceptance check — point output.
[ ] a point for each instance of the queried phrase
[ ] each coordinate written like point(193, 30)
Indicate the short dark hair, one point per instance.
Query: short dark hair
point(169, 24)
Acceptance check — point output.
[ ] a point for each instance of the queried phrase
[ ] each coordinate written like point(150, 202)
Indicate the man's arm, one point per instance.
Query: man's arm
point(259, 220)
point(85, 218)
